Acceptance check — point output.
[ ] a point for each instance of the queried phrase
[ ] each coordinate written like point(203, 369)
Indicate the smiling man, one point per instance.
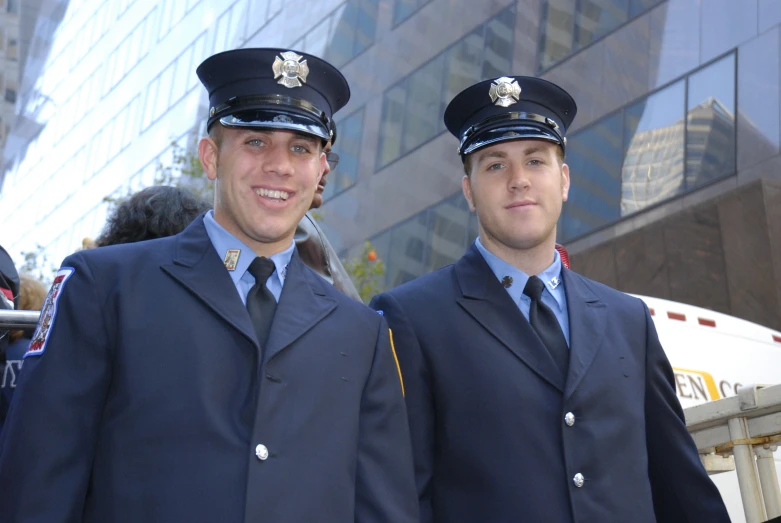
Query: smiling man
point(211, 376)
point(534, 394)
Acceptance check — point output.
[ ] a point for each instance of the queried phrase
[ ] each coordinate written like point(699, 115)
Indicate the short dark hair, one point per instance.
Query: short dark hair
point(154, 212)
point(468, 160)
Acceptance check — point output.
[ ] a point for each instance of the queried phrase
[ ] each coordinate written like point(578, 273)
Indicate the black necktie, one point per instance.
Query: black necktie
point(546, 325)
point(260, 302)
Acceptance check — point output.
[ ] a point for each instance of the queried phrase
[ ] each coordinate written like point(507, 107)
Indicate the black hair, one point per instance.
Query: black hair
point(154, 212)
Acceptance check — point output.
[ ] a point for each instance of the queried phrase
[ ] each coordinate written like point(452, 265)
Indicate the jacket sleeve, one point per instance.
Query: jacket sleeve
point(418, 396)
point(49, 438)
point(385, 483)
point(682, 491)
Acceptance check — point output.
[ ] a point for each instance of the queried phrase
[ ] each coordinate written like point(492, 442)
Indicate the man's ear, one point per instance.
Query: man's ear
point(466, 187)
point(324, 168)
point(208, 152)
point(565, 181)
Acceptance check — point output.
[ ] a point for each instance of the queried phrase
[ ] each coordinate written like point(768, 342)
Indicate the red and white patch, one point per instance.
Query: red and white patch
point(48, 313)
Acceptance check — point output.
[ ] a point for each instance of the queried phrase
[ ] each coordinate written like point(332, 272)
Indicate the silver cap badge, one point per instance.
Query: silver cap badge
point(505, 91)
point(290, 69)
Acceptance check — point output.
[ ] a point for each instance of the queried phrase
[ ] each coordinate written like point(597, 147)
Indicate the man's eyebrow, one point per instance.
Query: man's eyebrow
point(491, 154)
point(533, 150)
point(307, 137)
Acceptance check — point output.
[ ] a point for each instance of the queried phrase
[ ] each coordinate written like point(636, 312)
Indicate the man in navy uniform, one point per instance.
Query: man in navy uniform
point(535, 394)
point(211, 376)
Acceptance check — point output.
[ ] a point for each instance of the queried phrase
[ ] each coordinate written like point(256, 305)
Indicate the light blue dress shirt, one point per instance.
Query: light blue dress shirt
point(242, 279)
point(554, 295)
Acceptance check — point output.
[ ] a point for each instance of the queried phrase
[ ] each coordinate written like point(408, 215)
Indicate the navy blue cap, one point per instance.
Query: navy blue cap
point(273, 89)
point(509, 108)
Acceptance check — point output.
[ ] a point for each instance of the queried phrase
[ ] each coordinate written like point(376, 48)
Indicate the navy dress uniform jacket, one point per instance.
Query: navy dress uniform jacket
point(150, 399)
point(487, 408)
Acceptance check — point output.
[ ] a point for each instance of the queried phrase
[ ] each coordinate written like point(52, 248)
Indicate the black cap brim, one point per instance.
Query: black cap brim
point(284, 120)
point(525, 130)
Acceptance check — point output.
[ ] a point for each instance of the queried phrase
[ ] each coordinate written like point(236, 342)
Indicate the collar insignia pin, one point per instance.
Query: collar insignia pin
point(507, 282)
point(231, 259)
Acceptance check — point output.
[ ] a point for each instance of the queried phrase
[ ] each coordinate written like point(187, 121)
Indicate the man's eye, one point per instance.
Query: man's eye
point(300, 149)
point(495, 166)
point(535, 162)
point(256, 142)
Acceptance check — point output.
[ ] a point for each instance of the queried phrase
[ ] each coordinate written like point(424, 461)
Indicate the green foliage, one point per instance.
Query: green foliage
point(365, 273)
point(184, 171)
point(37, 264)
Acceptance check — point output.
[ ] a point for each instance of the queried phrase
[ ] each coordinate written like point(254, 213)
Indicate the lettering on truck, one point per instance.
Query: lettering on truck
point(698, 385)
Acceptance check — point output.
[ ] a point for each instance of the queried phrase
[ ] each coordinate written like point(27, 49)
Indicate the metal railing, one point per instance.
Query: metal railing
point(741, 433)
point(18, 319)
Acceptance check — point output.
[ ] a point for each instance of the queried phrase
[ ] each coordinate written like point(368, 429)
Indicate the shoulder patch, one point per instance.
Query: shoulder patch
point(48, 313)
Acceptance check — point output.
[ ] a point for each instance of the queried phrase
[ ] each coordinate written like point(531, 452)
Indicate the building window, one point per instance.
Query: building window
point(172, 13)
point(413, 108)
point(344, 34)
point(403, 9)
point(348, 147)
point(430, 240)
point(710, 123)
point(569, 25)
point(669, 143)
point(12, 50)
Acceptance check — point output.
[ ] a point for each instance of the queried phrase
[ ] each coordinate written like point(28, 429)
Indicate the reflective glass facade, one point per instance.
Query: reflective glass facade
point(674, 96)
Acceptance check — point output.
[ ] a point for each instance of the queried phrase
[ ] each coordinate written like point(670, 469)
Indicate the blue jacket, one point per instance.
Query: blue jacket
point(488, 408)
point(153, 402)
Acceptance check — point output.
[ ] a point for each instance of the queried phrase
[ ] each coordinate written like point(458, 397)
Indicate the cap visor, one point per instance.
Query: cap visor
point(508, 133)
point(275, 119)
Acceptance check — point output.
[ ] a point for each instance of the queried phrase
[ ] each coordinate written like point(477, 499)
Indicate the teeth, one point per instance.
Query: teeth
point(277, 195)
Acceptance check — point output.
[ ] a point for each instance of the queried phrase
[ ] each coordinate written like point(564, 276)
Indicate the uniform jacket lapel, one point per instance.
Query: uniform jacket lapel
point(197, 267)
point(302, 304)
point(587, 320)
point(488, 303)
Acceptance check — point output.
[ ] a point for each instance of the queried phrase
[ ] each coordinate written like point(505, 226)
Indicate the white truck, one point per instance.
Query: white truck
point(713, 354)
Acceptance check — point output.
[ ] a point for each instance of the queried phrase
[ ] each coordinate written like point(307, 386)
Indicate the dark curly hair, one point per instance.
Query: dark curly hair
point(154, 212)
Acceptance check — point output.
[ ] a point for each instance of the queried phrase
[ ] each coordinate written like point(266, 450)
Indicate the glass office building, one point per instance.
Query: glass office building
point(679, 122)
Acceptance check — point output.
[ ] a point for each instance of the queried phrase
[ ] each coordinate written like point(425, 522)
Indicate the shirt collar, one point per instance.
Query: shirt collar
point(517, 279)
point(222, 240)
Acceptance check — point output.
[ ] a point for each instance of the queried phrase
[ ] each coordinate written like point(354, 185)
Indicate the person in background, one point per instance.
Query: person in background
point(313, 247)
point(32, 294)
point(9, 295)
point(154, 212)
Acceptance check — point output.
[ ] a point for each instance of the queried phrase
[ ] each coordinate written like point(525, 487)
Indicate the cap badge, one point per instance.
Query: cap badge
point(505, 91)
point(292, 70)
point(283, 118)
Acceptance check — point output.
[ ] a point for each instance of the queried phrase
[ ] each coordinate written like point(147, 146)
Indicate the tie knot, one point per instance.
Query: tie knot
point(261, 268)
point(534, 288)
